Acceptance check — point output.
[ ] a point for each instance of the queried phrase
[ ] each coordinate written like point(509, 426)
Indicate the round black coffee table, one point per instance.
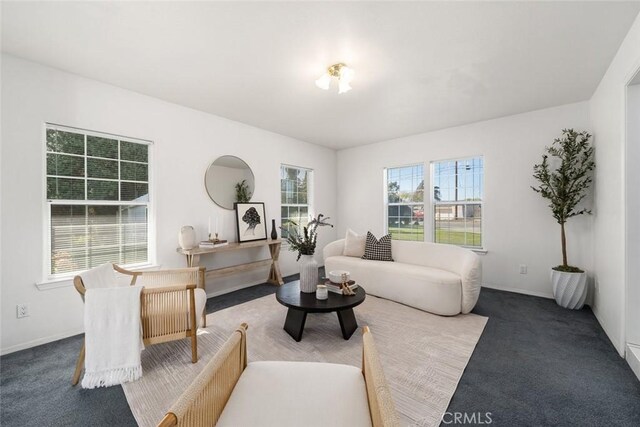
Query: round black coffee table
point(300, 304)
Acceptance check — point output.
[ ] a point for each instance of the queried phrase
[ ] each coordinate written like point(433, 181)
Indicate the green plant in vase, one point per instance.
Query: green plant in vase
point(243, 194)
point(304, 243)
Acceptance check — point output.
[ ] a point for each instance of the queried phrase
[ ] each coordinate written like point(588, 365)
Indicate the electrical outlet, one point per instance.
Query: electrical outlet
point(22, 310)
point(523, 269)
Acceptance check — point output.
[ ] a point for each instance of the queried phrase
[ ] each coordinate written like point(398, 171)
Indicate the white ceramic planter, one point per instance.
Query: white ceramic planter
point(569, 289)
point(308, 274)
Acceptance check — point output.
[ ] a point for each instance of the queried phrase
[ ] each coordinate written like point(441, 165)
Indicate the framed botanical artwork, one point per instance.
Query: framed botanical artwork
point(251, 222)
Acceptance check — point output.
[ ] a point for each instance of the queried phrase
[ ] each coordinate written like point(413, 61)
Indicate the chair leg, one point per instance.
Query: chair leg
point(79, 366)
point(194, 346)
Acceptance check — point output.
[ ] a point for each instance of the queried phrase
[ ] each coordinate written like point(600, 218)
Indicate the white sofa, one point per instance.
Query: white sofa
point(440, 279)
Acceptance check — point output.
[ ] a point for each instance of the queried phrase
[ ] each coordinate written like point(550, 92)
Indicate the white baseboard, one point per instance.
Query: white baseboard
point(40, 341)
point(547, 295)
point(633, 358)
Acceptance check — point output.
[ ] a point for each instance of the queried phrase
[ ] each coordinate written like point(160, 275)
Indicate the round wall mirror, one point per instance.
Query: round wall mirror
point(223, 177)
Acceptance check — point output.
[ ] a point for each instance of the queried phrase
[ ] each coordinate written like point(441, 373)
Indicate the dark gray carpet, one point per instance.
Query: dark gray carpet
point(535, 364)
point(539, 364)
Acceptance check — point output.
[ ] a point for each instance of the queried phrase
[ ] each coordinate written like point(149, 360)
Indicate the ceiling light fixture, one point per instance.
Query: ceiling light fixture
point(340, 71)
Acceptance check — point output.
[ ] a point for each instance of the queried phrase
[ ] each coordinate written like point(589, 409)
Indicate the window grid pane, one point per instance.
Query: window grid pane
point(82, 236)
point(458, 193)
point(405, 202)
point(294, 197)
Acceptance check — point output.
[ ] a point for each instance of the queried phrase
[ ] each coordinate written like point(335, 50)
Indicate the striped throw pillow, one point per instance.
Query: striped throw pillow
point(378, 250)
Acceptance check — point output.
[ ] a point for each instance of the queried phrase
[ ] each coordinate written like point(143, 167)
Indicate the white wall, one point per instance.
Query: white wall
point(607, 111)
point(518, 227)
point(185, 143)
point(633, 209)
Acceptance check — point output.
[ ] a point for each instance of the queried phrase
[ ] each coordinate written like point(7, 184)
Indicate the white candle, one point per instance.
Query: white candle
point(209, 227)
point(217, 228)
point(322, 292)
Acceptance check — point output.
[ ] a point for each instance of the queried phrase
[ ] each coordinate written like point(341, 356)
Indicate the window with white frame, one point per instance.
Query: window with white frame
point(295, 196)
point(458, 191)
point(97, 200)
point(405, 202)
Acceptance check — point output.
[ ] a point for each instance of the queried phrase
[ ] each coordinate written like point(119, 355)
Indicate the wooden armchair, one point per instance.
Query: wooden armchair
point(168, 307)
point(204, 401)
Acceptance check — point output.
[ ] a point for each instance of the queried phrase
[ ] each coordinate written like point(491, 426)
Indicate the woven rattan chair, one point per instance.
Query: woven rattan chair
point(205, 399)
point(168, 307)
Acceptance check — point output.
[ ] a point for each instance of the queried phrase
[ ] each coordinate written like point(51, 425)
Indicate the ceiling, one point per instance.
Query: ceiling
point(419, 66)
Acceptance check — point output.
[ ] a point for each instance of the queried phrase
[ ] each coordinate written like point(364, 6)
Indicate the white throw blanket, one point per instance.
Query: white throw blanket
point(113, 331)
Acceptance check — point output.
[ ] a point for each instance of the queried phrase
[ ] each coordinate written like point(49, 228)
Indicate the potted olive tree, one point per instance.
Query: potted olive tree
point(564, 180)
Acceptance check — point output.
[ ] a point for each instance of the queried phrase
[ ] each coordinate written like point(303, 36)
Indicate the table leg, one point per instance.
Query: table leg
point(294, 323)
point(348, 323)
point(193, 260)
point(275, 277)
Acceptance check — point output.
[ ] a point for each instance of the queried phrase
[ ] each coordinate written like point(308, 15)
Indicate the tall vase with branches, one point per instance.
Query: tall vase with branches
point(564, 178)
point(305, 244)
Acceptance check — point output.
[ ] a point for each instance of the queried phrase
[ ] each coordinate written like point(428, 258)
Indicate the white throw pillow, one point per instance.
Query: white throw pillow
point(354, 244)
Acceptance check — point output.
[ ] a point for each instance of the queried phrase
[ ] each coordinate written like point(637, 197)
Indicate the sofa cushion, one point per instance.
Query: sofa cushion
point(379, 250)
point(354, 244)
point(297, 394)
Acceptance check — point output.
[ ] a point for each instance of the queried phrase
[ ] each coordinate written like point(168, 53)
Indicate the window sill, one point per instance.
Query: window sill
point(479, 251)
point(65, 281)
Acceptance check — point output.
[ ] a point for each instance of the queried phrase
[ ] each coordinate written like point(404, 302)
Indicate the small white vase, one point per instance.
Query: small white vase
point(308, 274)
point(187, 237)
point(569, 289)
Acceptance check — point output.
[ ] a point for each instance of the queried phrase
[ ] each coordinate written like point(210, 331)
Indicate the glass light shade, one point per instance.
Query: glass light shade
point(346, 74)
point(324, 81)
point(343, 86)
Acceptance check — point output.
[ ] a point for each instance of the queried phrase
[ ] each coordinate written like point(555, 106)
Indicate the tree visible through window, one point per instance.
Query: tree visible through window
point(295, 196)
point(97, 198)
point(405, 202)
point(458, 191)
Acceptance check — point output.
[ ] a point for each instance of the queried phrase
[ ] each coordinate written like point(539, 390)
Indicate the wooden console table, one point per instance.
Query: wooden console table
point(275, 278)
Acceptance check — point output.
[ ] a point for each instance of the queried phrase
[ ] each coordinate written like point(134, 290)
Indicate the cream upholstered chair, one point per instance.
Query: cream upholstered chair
point(172, 304)
point(230, 392)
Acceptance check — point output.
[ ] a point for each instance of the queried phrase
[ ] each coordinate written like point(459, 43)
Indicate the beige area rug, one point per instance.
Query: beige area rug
point(423, 355)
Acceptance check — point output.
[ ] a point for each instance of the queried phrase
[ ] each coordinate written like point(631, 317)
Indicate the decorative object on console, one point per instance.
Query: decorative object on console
point(243, 193)
point(274, 233)
point(250, 221)
point(377, 250)
point(214, 238)
point(354, 244)
point(187, 237)
point(213, 243)
point(565, 185)
point(221, 178)
point(305, 244)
